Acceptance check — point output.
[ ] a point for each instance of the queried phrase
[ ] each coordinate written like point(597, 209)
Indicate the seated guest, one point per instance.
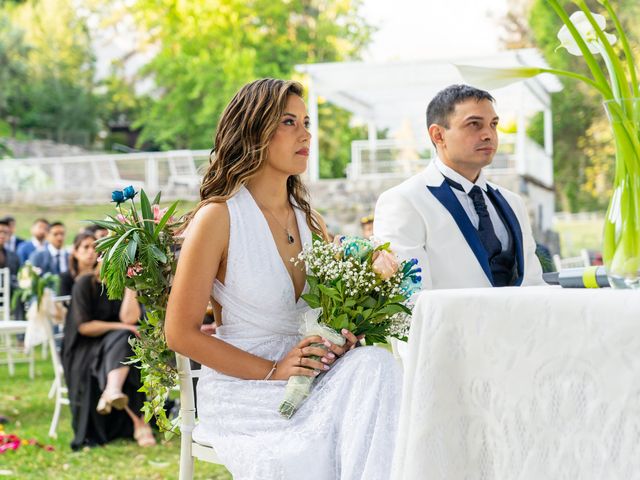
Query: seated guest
point(82, 260)
point(39, 230)
point(14, 241)
point(105, 402)
point(52, 258)
point(8, 259)
point(97, 231)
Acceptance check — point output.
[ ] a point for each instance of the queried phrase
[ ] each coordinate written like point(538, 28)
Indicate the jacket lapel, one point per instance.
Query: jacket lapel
point(512, 222)
point(448, 199)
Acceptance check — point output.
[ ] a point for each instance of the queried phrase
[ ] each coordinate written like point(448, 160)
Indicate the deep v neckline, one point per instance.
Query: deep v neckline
point(275, 246)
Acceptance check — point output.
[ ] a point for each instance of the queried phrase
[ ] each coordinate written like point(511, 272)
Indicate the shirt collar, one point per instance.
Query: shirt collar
point(53, 251)
point(456, 177)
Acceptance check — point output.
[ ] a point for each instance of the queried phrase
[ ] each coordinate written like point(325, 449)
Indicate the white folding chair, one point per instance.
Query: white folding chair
point(582, 260)
point(58, 388)
point(9, 328)
point(182, 169)
point(189, 449)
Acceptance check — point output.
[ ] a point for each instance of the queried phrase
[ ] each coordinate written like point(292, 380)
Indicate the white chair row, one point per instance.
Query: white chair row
point(582, 260)
point(58, 390)
point(10, 351)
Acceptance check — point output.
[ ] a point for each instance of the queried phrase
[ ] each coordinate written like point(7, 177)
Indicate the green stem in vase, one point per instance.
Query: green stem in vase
point(635, 92)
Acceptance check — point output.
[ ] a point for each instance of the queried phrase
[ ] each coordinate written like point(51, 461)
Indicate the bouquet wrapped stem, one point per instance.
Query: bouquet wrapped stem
point(298, 387)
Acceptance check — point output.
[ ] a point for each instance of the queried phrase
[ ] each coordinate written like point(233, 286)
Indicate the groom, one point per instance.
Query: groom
point(464, 231)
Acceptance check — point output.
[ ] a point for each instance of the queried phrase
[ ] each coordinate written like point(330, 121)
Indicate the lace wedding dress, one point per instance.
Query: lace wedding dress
point(344, 430)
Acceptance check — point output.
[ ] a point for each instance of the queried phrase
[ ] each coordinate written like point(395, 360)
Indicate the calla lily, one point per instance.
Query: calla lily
point(492, 78)
point(586, 31)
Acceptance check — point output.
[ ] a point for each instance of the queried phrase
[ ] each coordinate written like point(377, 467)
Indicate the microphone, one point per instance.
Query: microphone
point(586, 277)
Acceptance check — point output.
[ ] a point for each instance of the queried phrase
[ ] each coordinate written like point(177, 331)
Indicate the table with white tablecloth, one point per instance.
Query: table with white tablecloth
point(521, 383)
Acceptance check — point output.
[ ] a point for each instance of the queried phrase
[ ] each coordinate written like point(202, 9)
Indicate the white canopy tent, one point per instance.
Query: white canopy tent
point(395, 95)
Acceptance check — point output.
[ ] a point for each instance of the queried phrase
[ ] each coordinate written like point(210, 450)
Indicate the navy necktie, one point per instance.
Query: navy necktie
point(56, 263)
point(485, 226)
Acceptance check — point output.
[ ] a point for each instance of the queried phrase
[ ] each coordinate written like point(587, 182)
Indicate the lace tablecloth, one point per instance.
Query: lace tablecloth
point(522, 383)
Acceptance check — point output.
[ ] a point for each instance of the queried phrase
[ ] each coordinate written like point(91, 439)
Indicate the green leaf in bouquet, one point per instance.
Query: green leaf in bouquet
point(118, 243)
point(108, 224)
point(147, 213)
point(384, 246)
point(312, 300)
point(132, 247)
point(340, 322)
point(156, 199)
point(329, 292)
point(369, 302)
point(165, 218)
point(349, 302)
point(312, 281)
point(392, 309)
point(340, 287)
point(157, 253)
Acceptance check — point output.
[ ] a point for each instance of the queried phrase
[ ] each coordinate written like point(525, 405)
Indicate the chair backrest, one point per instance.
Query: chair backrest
point(105, 170)
point(5, 294)
point(571, 262)
point(181, 163)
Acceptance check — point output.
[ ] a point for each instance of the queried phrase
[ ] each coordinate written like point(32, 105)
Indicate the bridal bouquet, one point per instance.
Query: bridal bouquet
point(139, 254)
point(357, 285)
point(32, 284)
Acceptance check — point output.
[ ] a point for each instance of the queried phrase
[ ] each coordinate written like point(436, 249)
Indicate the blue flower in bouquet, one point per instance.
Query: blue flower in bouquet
point(411, 278)
point(118, 197)
point(356, 247)
point(129, 192)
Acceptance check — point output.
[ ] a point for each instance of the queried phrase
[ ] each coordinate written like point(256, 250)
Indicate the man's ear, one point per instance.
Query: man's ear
point(436, 133)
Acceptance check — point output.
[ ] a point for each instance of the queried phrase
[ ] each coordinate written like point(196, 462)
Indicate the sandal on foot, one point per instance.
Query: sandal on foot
point(144, 436)
point(117, 400)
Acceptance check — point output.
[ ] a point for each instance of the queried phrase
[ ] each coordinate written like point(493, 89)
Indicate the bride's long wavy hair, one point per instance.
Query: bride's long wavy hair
point(242, 141)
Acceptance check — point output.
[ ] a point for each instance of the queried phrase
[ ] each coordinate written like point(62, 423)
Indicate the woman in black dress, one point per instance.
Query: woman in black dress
point(82, 260)
point(105, 402)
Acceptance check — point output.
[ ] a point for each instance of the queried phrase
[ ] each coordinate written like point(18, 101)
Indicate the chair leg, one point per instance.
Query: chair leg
point(186, 458)
point(56, 417)
point(32, 364)
point(53, 389)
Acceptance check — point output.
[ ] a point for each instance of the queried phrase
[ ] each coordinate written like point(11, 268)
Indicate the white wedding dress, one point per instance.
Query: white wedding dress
point(344, 430)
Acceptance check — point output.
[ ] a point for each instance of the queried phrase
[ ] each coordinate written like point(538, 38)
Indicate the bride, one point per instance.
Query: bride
point(254, 217)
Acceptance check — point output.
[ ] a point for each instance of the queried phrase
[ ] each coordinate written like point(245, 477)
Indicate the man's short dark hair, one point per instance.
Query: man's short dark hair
point(9, 219)
point(56, 224)
point(5, 222)
point(445, 101)
point(41, 220)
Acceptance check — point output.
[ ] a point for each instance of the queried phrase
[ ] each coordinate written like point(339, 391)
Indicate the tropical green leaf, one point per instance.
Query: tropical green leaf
point(165, 218)
point(158, 254)
point(132, 247)
point(328, 291)
point(147, 212)
point(312, 300)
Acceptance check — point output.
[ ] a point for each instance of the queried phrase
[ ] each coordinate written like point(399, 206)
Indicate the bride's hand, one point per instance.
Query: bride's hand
point(297, 361)
point(351, 343)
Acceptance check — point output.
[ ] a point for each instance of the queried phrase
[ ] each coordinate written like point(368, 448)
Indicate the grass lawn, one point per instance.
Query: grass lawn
point(26, 404)
point(578, 234)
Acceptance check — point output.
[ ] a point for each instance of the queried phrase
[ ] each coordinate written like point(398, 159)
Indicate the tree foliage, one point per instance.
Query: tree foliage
point(51, 48)
point(207, 49)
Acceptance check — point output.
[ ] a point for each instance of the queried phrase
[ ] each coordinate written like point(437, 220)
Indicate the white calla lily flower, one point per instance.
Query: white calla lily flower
point(587, 32)
point(491, 78)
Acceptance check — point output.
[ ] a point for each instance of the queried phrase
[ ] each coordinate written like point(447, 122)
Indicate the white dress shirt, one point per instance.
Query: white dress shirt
point(62, 257)
point(467, 203)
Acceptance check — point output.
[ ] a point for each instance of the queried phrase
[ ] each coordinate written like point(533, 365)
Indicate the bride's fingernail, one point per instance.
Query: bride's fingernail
point(324, 360)
point(326, 367)
point(327, 343)
point(316, 372)
point(331, 355)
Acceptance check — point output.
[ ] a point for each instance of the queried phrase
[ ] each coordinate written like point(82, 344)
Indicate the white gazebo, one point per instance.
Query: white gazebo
point(395, 95)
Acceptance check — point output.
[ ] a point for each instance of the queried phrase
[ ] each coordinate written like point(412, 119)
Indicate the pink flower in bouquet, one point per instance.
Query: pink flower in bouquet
point(158, 213)
point(384, 264)
point(134, 270)
point(121, 218)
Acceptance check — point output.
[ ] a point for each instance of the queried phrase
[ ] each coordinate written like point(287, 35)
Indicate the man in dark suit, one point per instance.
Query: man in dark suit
point(8, 259)
point(39, 230)
point(14, 241)
point(52, 258)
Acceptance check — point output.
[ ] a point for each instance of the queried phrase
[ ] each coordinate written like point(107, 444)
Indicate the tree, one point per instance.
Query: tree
point(58, 61)
point(207, 49)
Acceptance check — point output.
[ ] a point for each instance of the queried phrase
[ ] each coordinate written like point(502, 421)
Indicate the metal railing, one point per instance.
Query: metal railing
point(86, 178)
point(390, 158)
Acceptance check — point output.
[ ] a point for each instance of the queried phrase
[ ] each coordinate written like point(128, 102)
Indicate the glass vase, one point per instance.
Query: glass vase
point(621, 241)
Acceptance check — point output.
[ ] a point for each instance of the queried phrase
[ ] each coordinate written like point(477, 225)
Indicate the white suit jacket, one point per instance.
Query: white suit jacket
point(423, 219)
